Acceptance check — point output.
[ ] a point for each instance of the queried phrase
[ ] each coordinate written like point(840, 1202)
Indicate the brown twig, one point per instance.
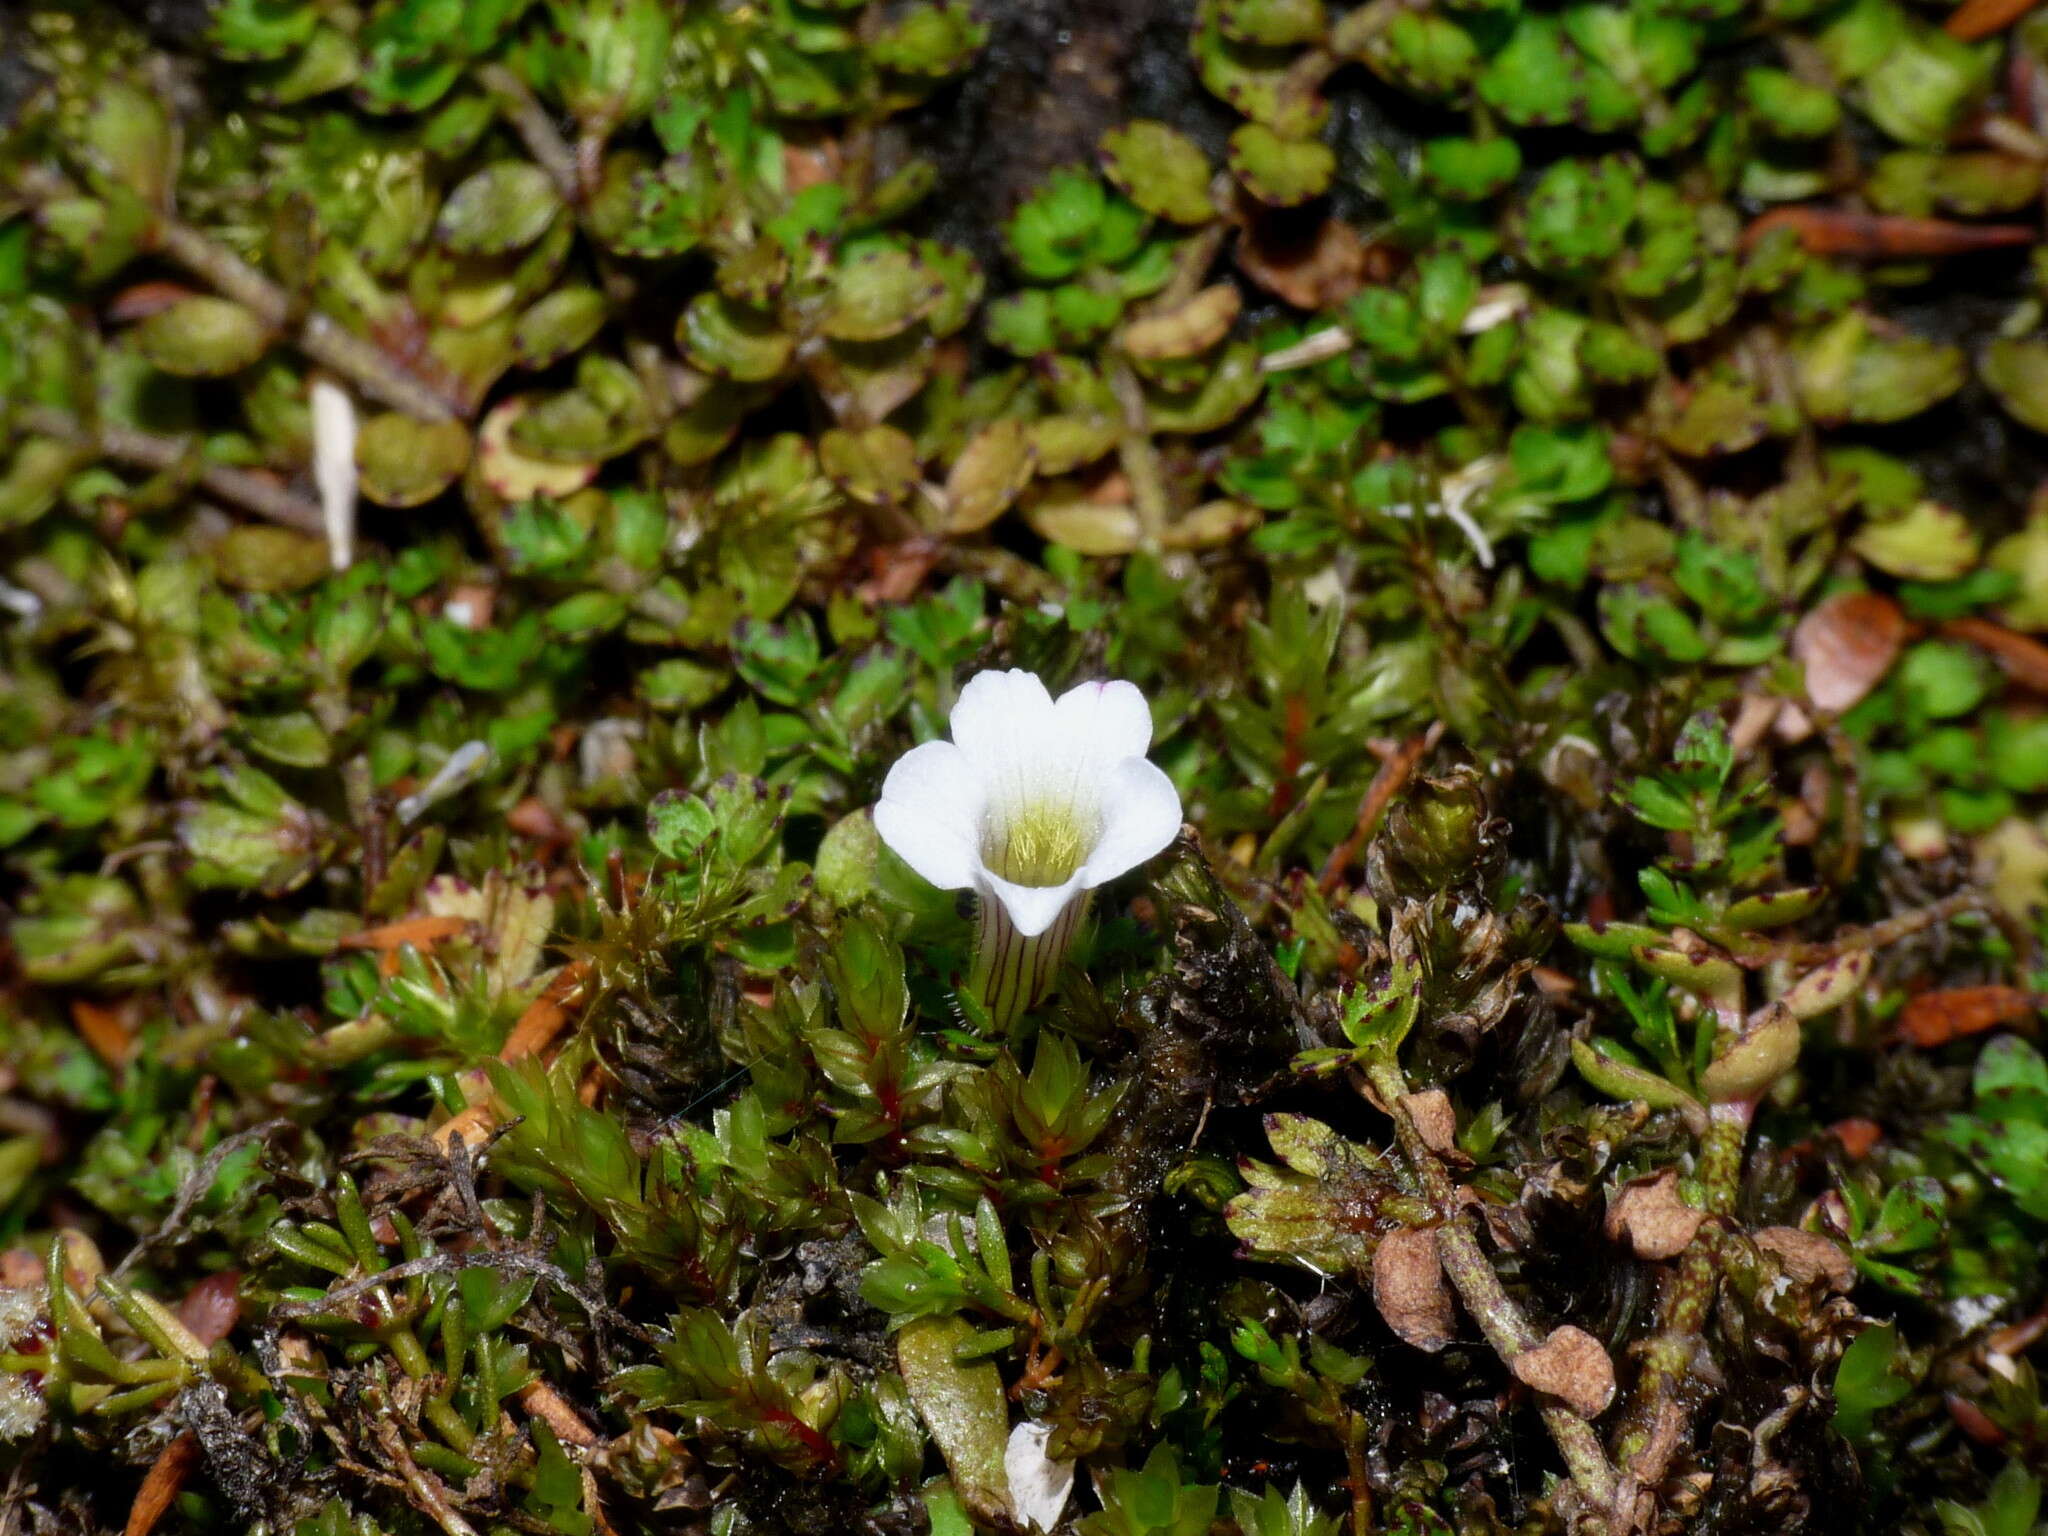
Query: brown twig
point(1388, 782)
point(145, 450)
point(369, 366)
point(1469, 1270)
point(374, 370)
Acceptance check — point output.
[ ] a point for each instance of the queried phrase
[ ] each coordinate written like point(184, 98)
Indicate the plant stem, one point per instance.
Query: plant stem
point(319, 337)
point(1138, 457)
point(1503, 1322)
point(238, 487)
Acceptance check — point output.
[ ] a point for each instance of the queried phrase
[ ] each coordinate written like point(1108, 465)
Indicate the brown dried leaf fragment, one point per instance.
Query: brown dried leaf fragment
point(1847, 644)
point(1326, 269)
point(1571, 1365)
point(1807, 1256)
point(161, 1484)
point(1930, 1019)
point(1192, 326)
point(1651, 1218)
point(1408, 1288)
point(1436, 1123)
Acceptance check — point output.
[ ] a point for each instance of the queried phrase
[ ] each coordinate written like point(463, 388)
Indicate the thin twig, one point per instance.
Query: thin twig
point(374, 370)
point(145, 450)
point(1469, 1270)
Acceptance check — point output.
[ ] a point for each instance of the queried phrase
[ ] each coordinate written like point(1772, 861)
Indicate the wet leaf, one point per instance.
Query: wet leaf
point(504, 207)
point(963, 1407)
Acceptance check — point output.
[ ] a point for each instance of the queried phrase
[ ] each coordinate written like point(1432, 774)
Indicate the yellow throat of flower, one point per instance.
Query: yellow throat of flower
point(1036, 844)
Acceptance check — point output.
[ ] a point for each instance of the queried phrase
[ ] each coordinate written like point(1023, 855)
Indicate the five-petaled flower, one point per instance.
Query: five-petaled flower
point(1032, 804)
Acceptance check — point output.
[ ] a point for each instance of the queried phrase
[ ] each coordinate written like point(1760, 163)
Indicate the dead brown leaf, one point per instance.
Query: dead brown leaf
point(1930, 1019)
point(1436, 1123)
point(1192, 326)
point(160, 1485)
point(1408, 1288)
point(212, 1307)
point(1847, 644)
point(1572, 1365)
point(106, 1030)
point(1324, 268)
point(1649, 1215)
point(1807, 1256)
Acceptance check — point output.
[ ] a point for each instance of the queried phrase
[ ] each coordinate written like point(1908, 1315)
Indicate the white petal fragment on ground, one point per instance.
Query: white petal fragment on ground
point(1039, 1486)
point(334, 468)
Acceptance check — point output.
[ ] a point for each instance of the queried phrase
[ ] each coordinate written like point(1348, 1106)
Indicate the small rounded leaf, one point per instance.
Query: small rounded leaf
point(1930, 542)
point(2016, 371)
point(1282, 172)
point(403, 462)
point(1764, 1054)
point(202, 337)
point(992, 469)
point(503, 207)
point(1160, 169)
point(876, 466)
point(259, 558)
point(1186, 329)
point(1212, 525)
point(734, 341)
point(558, 325)
point(1088, 527)
point(516, 476)
point(880, 293)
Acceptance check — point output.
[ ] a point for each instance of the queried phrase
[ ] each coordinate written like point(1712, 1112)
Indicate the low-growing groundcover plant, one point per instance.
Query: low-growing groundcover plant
point(750, 783)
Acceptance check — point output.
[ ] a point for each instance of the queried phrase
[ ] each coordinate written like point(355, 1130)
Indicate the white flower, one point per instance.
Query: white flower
point(1035, 800)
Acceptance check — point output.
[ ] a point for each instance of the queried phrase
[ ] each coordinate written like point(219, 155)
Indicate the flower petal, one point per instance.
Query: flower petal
point(930, 814)
point(1140, 816)
point(1002, 721)
point(1032, 908)
point(1109, 721)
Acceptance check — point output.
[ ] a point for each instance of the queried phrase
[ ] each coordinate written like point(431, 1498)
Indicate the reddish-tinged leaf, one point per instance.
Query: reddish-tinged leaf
point(2025, 661)
point(1935, 1018)
point(1884, 236)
